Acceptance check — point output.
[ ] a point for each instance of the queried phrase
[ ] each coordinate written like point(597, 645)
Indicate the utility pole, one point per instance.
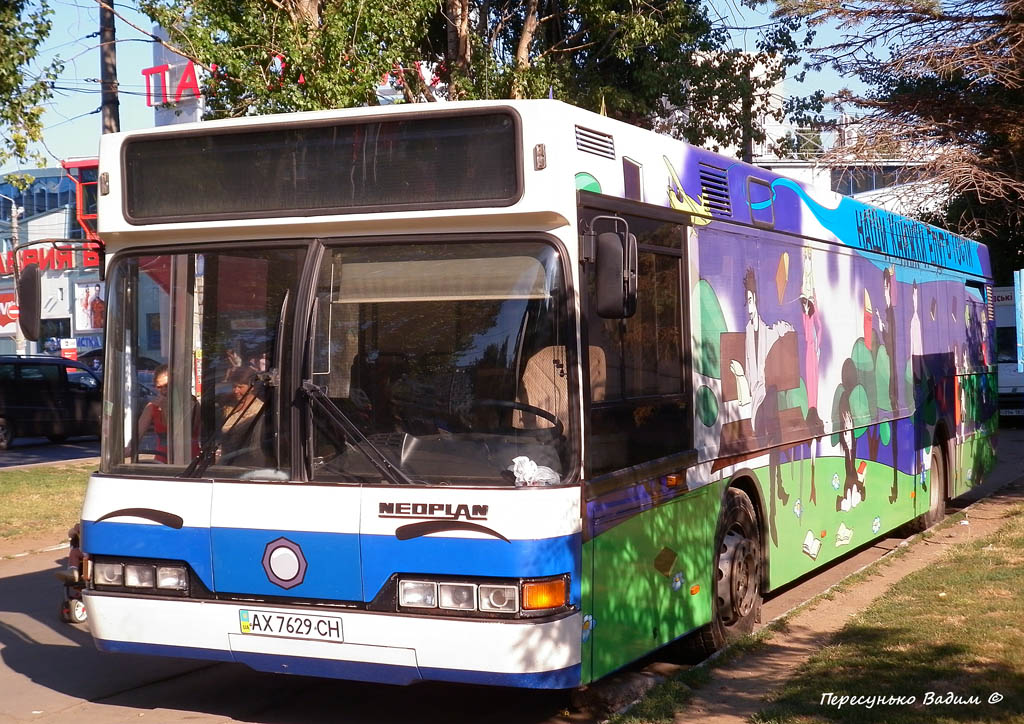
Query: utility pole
point(108, 69)
point(19, 336)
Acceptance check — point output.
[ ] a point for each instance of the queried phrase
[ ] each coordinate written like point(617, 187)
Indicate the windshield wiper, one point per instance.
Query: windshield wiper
point(362, 443)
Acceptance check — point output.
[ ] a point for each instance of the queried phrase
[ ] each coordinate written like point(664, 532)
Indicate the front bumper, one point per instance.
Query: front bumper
point(377, 647)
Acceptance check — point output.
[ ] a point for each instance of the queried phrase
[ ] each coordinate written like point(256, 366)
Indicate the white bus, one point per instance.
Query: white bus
point(502, 392)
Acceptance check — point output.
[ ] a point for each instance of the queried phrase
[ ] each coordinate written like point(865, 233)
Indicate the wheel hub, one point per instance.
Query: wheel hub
point(738, 577)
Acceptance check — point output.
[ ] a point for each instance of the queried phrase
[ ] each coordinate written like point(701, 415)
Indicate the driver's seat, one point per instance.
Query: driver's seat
point(545, 385)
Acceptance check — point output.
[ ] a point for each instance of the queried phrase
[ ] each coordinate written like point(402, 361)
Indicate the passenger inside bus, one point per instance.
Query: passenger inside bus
point(241, 433)
point(155, 415)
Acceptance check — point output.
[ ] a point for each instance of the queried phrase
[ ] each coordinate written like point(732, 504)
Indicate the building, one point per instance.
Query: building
point(73, 295)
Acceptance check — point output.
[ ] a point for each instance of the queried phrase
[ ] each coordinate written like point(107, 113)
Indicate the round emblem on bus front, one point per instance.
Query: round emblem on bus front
point(284, 563)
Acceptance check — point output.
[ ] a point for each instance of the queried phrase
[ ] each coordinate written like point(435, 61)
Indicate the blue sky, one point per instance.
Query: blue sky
point(72, 120)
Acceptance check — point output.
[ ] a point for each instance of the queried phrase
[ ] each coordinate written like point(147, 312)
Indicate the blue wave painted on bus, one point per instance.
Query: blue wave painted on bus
point(872, 229)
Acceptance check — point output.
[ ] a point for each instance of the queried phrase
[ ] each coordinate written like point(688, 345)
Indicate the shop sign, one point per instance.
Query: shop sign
point(50, 259)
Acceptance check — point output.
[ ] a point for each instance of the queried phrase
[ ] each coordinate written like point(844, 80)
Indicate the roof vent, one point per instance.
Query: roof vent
point(714, 187)
point(595, 142)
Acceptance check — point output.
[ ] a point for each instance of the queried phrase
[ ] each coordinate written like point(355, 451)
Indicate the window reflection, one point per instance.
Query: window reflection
point(452, 360)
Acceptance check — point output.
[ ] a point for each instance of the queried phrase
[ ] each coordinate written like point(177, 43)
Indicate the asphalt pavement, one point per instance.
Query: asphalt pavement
point(37, 450)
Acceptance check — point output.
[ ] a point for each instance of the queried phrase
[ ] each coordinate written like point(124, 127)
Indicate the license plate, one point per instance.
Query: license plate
point(260, 622)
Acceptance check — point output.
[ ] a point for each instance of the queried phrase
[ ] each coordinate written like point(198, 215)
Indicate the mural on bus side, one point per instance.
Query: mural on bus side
point(820, 371)
point(824, 375)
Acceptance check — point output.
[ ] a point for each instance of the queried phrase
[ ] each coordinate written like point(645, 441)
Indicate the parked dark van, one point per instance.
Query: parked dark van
point(43, 396)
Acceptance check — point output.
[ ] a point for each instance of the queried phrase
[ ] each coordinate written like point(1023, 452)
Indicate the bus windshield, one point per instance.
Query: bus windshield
point(450, 359)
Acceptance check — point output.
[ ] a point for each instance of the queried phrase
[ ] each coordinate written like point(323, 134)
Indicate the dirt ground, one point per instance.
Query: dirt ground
point(736, 692)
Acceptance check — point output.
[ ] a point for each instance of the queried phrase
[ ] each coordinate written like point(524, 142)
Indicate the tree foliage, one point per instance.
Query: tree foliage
point(24, 86)
point(663, 64)
point(946, 88)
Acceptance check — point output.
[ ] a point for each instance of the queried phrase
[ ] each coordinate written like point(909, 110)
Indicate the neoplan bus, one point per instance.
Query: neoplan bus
point(503, 392)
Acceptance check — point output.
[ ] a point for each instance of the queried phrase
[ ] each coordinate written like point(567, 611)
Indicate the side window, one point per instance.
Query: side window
point(41, 374)
point(639, 410)
point(7, 372)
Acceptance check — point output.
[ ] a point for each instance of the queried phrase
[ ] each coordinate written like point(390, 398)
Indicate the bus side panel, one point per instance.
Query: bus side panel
point(828, 372)
point(818, 522)
point(974, 453)
point(652, 553)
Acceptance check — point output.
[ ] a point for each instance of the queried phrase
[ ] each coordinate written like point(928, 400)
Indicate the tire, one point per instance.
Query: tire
point(936, 494)
point(76, 611)
point(736, 598)
point(6, 434)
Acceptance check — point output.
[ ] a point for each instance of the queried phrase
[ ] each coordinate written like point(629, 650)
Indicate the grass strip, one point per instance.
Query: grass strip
point(42, 498)
point(943, 645)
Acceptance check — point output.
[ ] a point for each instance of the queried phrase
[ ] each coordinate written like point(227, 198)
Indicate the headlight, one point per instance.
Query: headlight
point(457, 596)
point(174, 578)
point(417, 594)
point(108, 574)
point(138, 575)
point(501, 599)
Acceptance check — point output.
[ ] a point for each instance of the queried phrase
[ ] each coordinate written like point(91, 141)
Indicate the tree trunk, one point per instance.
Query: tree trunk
point(525, 41)
point(459, 47)
point(305, 11)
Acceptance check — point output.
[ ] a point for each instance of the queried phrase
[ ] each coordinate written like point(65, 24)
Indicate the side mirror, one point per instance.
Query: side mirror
point(616, 254)
point(30, 300)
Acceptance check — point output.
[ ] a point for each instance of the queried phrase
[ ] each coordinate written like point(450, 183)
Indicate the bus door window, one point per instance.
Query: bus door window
point(194, 337)
point(639, 410)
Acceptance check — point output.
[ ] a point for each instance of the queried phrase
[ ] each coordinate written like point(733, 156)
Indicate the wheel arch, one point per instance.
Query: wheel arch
point(944, 441)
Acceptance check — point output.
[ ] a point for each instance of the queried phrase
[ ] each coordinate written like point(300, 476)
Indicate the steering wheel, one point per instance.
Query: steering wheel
point(555, 431)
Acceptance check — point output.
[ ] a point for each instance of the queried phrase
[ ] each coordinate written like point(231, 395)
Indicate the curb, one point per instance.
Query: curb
point(48, 549)
point(95, 460)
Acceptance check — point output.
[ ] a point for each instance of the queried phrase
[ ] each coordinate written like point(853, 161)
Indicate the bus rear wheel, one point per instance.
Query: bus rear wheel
point(936, 494)
point(736, 598)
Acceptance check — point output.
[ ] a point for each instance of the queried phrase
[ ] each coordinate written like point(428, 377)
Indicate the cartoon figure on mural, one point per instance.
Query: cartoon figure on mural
point(753, 388)
point(854, 491)
point(887, 329)
point(812, 354)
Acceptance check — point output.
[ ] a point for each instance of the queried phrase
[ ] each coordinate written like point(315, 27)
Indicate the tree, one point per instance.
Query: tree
point(24, 25)
point(661, 64)
point(272, 56)
point(949, 94)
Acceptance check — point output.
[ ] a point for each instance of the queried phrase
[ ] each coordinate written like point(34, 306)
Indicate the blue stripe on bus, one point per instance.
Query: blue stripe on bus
point(333, 561)
point(384, 555)
point(137, 540)
point(566, 678)
point(336, 567)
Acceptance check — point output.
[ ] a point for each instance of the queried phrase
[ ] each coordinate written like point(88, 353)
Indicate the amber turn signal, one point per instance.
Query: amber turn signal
point(539, 595)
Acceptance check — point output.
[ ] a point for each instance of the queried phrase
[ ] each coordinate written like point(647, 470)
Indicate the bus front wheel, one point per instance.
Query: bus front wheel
point(736, 599)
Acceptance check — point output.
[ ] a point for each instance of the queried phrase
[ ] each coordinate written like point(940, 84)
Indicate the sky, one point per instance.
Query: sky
point(72, 119)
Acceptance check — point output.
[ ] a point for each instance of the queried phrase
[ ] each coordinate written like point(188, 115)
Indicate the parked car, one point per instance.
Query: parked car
point(93, 359)
point(44, 396)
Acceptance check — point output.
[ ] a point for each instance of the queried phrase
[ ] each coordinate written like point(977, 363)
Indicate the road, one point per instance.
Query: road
point(50, 671)
point(33, 450)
